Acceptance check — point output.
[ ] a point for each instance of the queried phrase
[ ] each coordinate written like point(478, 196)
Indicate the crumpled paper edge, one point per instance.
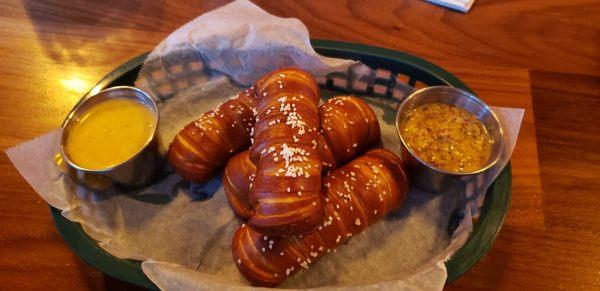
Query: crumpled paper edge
point(13, 153)
point(172, 275)
point(210, 51)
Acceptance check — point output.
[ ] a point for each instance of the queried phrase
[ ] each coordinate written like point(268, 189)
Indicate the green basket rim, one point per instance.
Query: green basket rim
point(480, 241)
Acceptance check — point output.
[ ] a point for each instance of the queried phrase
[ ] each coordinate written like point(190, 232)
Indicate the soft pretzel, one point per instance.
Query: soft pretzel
point(287, 185)
point(205, 145)
point(237, 179)
point(349, 127)
point(357, 195)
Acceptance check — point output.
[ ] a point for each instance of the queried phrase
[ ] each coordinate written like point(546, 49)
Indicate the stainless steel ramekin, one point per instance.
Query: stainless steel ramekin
point(426, 176)
point(136, 172)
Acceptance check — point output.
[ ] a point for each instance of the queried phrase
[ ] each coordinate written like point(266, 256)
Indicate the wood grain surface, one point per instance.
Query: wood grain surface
point(541, 55)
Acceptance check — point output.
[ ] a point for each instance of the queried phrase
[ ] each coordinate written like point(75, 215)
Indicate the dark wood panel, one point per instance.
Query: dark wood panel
point(564, 252)
point(568, 114)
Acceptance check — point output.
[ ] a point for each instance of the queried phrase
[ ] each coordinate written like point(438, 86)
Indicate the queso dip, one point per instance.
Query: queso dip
point(109, 133)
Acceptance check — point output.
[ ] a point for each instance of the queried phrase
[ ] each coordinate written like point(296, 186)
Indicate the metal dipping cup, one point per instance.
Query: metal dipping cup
point(425, 176)
point(137, 171)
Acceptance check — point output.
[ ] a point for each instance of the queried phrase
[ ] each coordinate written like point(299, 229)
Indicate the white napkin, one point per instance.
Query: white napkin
point(460, 5)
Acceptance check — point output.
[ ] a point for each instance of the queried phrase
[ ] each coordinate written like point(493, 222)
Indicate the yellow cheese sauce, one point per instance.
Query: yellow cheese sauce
point(447, 137)
point(109, 133)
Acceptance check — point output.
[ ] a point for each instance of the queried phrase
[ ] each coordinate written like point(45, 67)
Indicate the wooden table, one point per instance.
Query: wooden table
point(543, 56)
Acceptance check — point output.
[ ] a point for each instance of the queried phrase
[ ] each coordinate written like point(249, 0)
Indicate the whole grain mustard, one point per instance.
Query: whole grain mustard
point(447, 137)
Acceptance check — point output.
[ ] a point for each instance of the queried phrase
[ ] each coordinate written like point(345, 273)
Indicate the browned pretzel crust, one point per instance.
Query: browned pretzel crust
point(205, 145)
point(357, 195)
point(286, 190)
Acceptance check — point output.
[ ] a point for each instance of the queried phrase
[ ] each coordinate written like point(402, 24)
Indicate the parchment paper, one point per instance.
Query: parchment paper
point(183, 231)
